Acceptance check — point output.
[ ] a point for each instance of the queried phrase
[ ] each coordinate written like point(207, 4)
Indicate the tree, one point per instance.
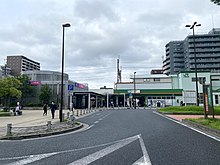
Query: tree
point(25, 87)
point(217, 2)
point(9, 88)
point(45, 94)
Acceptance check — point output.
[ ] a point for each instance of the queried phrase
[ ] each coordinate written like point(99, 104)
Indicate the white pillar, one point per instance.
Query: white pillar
point(70, 103)
point(107, 100)
point(89, 99)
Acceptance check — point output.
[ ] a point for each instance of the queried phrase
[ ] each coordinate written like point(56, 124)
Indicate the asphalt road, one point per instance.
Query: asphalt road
point(117, 137)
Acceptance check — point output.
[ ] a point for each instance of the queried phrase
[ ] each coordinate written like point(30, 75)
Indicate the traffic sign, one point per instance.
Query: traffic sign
point(70, 87)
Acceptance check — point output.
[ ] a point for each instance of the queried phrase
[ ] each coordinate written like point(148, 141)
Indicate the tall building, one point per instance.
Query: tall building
point(21, 63)
point(174, 61)
point(180, 54)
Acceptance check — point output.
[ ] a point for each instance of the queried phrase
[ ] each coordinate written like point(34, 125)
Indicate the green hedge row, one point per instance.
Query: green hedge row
point(187, 110)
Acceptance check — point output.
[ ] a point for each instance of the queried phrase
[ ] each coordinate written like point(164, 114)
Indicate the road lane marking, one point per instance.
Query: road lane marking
point(144, 151)
point(96, 122)
point(90, 158)
point(99, 154)
point(139, 161)
point(31, 159)
point(194, 129)
point(90, 127)
point(68, 151)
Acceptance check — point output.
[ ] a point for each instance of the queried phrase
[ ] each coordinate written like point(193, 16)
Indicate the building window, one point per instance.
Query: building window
point(216, 99)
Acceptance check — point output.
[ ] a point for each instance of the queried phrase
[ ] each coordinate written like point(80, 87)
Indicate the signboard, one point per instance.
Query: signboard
point(208, 100)
point(189, 97)
point(80, 85)
point(70, 87)
point(35, 83)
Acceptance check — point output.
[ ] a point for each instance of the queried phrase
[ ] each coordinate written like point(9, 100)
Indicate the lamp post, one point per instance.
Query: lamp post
point(61, 93)
point(134, 91)
point(192, 27)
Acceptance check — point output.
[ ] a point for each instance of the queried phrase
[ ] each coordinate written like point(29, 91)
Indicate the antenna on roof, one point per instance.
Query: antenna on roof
point(118, 71)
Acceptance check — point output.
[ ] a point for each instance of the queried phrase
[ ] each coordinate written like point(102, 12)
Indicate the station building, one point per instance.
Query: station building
point(162, 90)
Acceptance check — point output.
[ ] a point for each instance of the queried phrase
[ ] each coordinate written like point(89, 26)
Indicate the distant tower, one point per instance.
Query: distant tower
point(118, 72)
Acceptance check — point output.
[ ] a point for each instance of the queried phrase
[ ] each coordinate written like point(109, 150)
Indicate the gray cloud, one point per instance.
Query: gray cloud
point(100, 31)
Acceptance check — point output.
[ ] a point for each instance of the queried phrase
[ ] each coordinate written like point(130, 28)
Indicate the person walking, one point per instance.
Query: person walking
point(53, 109)
point(45, 109)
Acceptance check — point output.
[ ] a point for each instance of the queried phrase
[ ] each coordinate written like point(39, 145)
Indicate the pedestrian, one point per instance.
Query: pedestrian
point(45, 109)
point(53, 109)
point(17, 110)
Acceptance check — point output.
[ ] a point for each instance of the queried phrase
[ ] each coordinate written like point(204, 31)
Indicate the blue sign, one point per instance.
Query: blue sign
point(70, 87)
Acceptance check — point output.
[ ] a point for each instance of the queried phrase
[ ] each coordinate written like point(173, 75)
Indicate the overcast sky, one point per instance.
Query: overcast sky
point(100, 32)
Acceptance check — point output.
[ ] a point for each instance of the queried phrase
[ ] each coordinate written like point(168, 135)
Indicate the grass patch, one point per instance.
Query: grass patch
point(5, 113)
point(210, 122)
point(77, 123)
point(196, 110)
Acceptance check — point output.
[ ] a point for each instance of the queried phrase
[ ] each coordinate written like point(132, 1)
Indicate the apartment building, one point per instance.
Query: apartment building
point(21, 63)
point(180, 54)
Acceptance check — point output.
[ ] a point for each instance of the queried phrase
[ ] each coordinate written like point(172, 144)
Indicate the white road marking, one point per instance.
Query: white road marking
point(90, 158)
point(99, 154)
point(144, 150)
point(139, 161)
point(32, 158)
point(96, 122)
point(90, 126)
point(68, 151)
point(194, 129)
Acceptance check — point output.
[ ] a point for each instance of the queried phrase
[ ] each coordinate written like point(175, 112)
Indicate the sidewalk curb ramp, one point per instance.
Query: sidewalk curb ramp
point(41, 133)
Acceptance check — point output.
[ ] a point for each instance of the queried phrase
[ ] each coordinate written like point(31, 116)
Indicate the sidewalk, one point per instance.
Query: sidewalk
point(32, 123)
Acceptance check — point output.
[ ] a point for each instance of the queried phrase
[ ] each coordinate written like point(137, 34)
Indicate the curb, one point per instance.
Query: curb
point(41, 134)
point(202, 127)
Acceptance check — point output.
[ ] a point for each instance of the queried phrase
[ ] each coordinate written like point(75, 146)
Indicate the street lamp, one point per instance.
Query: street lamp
point(134, 91)
point(192, 27)
point(61, 100)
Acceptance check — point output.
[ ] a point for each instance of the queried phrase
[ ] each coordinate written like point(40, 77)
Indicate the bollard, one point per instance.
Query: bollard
point(9, 127)
point(63, 116)
point(80, 111)
point(49, 125)
point(77, 112)
point(72, 120)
